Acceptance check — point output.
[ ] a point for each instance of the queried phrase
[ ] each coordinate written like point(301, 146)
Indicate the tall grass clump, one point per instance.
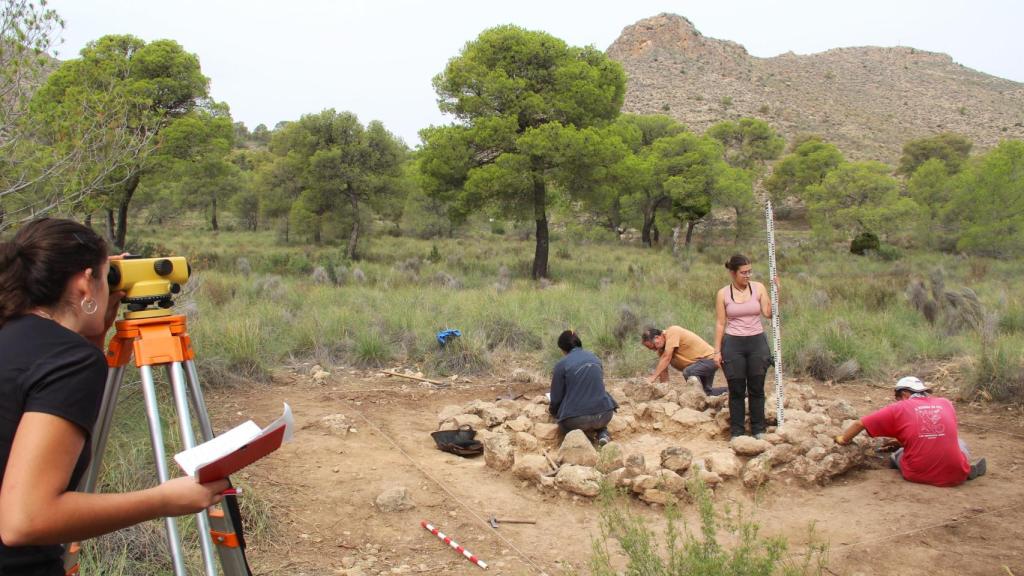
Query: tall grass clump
point(682, 552)
point(460, 356)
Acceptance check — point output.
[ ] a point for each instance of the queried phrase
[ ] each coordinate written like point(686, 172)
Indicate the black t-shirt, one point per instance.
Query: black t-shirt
point(44, 367)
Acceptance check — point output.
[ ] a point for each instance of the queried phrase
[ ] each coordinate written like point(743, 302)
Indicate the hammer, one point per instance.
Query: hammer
point(494, 521)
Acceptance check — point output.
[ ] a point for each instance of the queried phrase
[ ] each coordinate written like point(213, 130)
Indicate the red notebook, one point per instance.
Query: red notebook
point(235, 449)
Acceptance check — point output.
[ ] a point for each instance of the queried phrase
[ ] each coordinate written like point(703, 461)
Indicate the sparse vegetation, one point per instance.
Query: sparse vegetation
point(684, 552)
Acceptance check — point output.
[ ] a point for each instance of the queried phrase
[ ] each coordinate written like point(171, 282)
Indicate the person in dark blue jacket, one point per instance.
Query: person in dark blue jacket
point(578, 398)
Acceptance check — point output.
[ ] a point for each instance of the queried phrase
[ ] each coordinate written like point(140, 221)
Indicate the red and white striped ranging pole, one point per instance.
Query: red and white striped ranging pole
point(430, 528)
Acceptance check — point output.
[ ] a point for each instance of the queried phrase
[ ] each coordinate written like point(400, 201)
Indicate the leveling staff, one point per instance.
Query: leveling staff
point(55, 311)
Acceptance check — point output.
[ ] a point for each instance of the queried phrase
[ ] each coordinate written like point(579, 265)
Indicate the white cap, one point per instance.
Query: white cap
point(912, 383)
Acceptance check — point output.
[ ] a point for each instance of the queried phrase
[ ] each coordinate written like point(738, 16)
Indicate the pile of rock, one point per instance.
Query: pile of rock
point(518, 434)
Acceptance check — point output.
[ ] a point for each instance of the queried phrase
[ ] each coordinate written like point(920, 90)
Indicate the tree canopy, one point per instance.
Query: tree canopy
point(521, 97)
point(952, 149)
point(147, 86)
point(328, 165)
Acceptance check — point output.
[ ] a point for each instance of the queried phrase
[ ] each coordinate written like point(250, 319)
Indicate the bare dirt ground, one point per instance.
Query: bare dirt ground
point(322, 488)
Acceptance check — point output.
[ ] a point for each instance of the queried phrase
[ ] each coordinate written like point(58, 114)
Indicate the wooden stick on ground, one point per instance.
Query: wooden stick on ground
point(411, 377)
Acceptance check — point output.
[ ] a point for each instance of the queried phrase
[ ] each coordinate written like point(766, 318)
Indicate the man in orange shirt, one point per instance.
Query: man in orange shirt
point(685, 351)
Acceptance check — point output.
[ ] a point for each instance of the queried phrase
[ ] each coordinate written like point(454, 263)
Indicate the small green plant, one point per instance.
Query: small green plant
point(435, 255)
point(726, 102)
point(764, 110)
point(665, 107)
point(686, 553)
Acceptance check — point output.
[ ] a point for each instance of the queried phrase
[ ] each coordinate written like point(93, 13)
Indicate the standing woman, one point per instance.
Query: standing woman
point(55, 311)
point(741, 348)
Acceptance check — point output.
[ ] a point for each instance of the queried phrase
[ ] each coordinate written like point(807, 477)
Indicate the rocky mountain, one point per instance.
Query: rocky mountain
point(866, 100)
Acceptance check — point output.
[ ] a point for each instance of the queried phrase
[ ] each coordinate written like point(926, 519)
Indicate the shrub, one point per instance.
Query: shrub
point(459, 356)
point(686, 553)
point(370, 349)
point(501, 332)
point(998, 374)
point(863, 242)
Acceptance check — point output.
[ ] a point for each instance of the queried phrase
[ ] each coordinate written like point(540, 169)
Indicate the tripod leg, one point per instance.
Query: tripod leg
point(198, 402)
point(188, 437)
point(160, 455)
point(226, 522)
point(100, 433)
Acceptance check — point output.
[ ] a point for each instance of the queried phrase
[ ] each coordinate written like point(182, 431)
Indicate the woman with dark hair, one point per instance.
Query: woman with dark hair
point(741, 348)
point(55, 311)
point(578, 398)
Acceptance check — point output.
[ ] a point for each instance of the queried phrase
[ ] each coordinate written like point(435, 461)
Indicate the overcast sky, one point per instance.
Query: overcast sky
point(274, 60)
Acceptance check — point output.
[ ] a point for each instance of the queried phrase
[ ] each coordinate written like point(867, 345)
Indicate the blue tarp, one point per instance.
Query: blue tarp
point(447, 334)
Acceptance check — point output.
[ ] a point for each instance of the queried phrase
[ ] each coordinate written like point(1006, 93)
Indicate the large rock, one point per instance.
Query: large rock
point(610, 458)
point(622, 423)
point(782, 454)
point(725, 464)
point(577, 449)
point(657, 496)
point(661, 410)
point(581, 480)
point(643, 483)
point(394, 500)
point(530, 467)
point(640, 390)
point(841, 410)
point(498, 452)
point(676, 459)
point(756, 471)
point(670, 482)
point(635, 465)
point(748, 445)
point(471, 420)
point(525, 441)
point(693, 399)
point(520, 424)
point(493, 415)
point(448, 412)
point(689, 418)
point(537, 413)
point(545, 432)
point(618, 478)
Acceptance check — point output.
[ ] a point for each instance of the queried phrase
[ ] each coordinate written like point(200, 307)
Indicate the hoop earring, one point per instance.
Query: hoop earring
point(89, 306)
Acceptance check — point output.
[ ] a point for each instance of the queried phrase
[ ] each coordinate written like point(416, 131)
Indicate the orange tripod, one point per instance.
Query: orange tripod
point(163, 340)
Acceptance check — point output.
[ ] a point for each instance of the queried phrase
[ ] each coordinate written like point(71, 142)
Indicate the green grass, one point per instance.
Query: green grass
point(840, 306)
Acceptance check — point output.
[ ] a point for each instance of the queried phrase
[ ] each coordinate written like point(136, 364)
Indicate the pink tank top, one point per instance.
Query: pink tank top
point(742, 319)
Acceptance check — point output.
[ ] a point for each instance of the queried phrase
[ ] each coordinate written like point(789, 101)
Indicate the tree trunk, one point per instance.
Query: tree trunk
point(213, 214)
point(645, 232)
point(615, 216)
point(110, 227)
point(122, 209)
point(540, 256)
point(353, 237)
point(689, 231)
point(655, 233)
point(675, 239)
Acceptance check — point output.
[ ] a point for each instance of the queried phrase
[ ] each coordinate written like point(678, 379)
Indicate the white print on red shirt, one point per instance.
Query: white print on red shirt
point(929, 418)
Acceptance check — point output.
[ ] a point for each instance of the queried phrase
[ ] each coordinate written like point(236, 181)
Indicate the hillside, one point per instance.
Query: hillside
point(867, 100)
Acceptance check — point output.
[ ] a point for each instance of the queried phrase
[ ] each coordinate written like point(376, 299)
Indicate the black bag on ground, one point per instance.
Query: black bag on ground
point(459, 442)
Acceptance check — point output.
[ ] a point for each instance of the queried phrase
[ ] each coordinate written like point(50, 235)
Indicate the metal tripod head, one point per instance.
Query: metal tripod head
point(149, 284)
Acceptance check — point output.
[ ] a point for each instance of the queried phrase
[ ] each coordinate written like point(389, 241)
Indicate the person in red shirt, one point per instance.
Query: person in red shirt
point(926, 428)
